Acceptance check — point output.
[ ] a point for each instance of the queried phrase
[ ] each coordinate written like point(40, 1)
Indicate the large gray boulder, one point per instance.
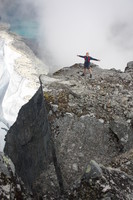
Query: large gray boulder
point(28, 140)
point(80, 140)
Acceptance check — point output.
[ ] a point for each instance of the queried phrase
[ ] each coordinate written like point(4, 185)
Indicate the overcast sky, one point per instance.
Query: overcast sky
point(71, 27)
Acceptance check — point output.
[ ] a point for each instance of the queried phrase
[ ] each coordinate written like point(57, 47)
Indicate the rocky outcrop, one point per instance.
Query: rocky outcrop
point(129, 67)
point(90, 119)
point(107, 96)
point(28, 140)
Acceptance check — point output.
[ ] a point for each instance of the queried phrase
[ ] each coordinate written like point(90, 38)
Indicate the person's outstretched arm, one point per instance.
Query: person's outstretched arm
point(81, 56)
point(94, 59)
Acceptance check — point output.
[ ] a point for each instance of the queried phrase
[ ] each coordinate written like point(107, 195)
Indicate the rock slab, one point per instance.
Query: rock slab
point(28, 140)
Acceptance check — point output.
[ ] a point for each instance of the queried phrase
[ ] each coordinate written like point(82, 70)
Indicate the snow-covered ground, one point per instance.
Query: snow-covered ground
point(19, 73)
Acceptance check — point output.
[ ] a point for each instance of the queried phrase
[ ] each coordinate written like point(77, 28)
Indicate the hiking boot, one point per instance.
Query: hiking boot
point(82, 74)
point(90, 75)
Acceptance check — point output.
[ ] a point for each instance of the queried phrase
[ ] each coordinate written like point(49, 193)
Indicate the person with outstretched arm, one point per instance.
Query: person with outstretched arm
point(87, 59)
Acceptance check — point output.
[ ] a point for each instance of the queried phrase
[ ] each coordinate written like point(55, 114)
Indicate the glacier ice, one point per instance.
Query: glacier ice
point(18, 82)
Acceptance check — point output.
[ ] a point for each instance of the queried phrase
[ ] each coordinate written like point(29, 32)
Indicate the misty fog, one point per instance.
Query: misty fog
point(70, 27)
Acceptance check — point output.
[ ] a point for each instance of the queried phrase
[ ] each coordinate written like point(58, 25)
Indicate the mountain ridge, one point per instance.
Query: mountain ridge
point(90, 124)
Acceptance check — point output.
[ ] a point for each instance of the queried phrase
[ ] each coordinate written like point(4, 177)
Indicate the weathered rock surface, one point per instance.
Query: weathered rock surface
point(28, 140)
point(123, 132)
point(101, 183)
point(11, 187)
point(80, 140)
point(107, 96)
point(90, 118)
point(124, 162)
point(129, 67)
